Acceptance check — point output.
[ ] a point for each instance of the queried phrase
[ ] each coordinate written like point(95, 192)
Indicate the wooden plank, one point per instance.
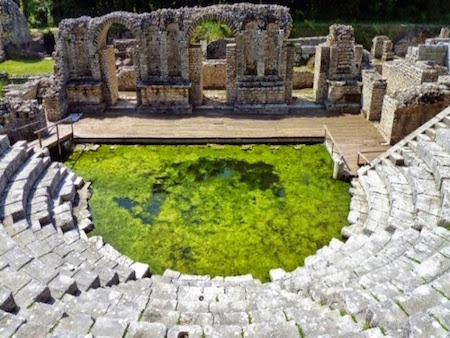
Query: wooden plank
point(352, 133)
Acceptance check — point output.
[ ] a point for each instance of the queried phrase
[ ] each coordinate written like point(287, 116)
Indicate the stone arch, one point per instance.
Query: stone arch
point(221, 17)
point(98, 32)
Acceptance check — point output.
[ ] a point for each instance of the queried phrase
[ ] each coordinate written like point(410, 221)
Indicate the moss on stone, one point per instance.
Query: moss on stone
point(217, 211)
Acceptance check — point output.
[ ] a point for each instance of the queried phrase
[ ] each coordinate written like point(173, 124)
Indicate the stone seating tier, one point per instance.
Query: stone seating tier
point(390, 276)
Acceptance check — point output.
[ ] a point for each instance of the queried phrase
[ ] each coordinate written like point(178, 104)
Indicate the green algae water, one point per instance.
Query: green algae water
point(218, 210)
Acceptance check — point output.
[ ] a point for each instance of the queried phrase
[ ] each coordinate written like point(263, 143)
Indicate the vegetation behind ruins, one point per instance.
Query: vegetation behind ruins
point(50, 12)
point(218, 210)
point(27, 66)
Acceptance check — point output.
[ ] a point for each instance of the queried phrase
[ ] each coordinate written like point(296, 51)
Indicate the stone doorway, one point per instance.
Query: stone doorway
point(213, 36)
point(118, 67)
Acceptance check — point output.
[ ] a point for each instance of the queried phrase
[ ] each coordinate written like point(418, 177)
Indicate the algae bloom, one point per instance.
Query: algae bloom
point(218, 210)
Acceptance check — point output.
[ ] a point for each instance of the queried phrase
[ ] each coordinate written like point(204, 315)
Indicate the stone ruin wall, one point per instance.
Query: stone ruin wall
point(162, 61)
point(401, 74)
point(410, 92)
point(408, 109)
point(214, 74)
point(21, 109)
point(337, 72)
point(374, 90)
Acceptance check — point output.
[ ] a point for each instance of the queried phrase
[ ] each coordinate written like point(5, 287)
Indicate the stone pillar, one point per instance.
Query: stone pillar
point(195, 74)
point(358, 60)
point(109, 77)
point(231, 73)
point(239, 55)
point(260, 46)
point(184, 56)
point(338, 169)
point(163, 54)
point(388, 55)
point(377, 46)
point(289, 52)
point(282, 55)
point(374, 89)
point(55, 106)
point(204, 45)
point(322, 63)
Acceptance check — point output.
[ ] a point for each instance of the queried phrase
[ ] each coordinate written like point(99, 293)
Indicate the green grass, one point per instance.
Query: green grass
point(214, 210)
point(1, 87)
point(28, 67)
point(211, 31)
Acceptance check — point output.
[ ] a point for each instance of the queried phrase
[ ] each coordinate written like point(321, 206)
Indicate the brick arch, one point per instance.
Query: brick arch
point(98, 32)
point(222, 17)
point(100, 27)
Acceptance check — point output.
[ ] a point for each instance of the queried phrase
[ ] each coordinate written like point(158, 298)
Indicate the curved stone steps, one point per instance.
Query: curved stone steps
point(38, 205)
point(237, 305)
point(378, 202)
point(359, 209)
point(426, 197)
point(402, 210)
point(438, 160)
point(422, 312)
point(17, 191)
point(72, 262)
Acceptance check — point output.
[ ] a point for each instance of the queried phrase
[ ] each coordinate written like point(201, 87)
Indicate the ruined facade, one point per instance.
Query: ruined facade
point(168, 67)
point(408, 109)
point(21, 112)
point(337, 73)
point(410, 91)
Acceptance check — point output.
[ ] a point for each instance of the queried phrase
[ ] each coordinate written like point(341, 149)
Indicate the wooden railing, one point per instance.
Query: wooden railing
point(362, 159)
point(334, 148)
point(49, 129)
point(362, 156)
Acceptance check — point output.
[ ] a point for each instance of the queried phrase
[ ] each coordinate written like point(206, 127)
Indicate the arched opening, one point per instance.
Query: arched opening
point(213, 35)
point(119, 65)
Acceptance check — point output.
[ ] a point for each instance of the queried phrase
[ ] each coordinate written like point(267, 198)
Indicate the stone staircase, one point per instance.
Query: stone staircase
point(390, 277)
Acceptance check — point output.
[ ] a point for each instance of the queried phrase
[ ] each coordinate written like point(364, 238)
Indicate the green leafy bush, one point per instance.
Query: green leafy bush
point(211, 31)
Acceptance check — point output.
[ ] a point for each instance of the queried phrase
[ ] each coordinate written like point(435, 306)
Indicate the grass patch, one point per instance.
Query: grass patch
point(211, 31)
point(28, 67)
point(217, 211)
point(1, 88)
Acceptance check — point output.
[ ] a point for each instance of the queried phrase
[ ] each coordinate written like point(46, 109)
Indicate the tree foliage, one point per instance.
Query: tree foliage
point(51, 12)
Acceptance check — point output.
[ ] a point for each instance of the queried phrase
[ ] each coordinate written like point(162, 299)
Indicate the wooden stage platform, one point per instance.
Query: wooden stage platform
point(352, 133)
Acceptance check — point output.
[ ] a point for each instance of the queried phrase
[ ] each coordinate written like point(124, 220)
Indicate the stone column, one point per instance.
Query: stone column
point(281, 54)
point(163, 54)
point(322, 63)
point(289, 51)
point(109, 77)
point(231, 74)
point(388, 55)
point(260, 45)
point(184, 53)
point(195, 74)
point(374, 89)
point(239, 55)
